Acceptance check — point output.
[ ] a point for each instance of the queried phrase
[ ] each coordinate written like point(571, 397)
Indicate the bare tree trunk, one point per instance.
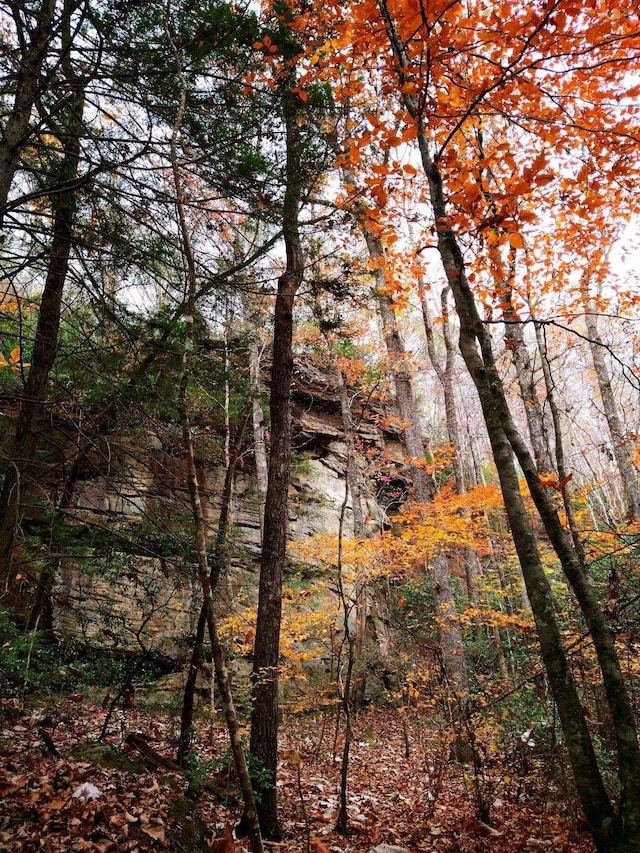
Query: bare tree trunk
point(352, 472)
point(259, 439)
point(361, 592)
point(188, 697)
point(357, 663)
point(266, 659)
point(621, 450)
point(219, 566)
point(412, 432)
point(351, 641)
point(444, 372)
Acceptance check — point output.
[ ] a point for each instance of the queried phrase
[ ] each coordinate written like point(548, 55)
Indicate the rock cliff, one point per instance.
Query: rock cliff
point(139, 590)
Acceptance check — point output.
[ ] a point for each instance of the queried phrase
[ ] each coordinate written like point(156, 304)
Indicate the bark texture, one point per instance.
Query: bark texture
point(266, 658)
point(563, 473)
point(516, 344)
point(259, 439)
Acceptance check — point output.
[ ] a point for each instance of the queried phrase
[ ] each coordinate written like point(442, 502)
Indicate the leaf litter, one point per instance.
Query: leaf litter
point(392, 800)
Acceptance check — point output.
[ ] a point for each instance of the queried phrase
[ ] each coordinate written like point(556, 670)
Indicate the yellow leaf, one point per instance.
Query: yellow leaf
point(15, 354)
point(293, 756)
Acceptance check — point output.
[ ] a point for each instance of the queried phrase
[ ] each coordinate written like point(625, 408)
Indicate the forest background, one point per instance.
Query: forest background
point(427, 212)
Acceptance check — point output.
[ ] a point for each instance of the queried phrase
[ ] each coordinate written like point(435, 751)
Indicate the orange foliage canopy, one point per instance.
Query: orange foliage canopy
point(530, 110)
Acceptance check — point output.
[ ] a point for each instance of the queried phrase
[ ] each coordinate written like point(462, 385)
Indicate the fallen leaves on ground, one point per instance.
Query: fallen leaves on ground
point(392, 800)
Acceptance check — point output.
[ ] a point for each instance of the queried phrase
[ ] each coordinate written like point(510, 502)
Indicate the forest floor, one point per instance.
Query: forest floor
point(426, 802)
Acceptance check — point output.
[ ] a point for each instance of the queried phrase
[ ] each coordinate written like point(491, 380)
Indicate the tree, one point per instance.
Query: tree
point(611, 830)
point(69, 128)
point(621, 450)
point(208, 576)
point(445, 88)
point(35, 30)
point(451, 641)
point(266, 657)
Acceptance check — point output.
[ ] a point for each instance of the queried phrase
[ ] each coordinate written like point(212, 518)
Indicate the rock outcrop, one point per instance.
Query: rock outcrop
point(140, 591)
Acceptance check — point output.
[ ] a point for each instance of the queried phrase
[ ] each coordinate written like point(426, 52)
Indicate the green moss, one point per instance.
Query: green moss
point(106, 755)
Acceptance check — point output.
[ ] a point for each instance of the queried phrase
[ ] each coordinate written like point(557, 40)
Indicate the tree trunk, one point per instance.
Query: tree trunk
point(411, 430)
point(21, 464)
point(352, 471)
point(208, 578)
point(424, 487)
point(266, 658)
point(29, 85)
point(563, 474)
point(515, 342)
point(41, 615)
point(219, 566)
point(610, 831)
point(444, 372)
point(361, 592)
point(621, 451)
point(351, 641)
point(188, 696)
point(259, 440)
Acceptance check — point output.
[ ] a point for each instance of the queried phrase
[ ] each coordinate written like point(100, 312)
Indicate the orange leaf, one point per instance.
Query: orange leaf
point(224, 845)
point(516, 241)
point(548, 480)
